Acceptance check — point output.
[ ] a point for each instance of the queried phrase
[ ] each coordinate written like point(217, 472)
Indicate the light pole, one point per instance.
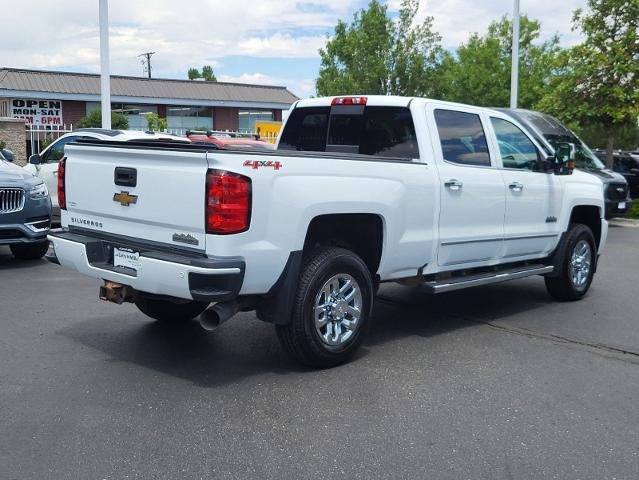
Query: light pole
point(514, 74)
point(105, 79)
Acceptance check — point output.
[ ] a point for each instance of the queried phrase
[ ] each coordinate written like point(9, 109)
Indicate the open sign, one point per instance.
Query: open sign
point(38, 112)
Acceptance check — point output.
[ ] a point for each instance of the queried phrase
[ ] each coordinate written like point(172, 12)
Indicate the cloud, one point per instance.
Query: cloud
point(456, 20)
point(300, 87)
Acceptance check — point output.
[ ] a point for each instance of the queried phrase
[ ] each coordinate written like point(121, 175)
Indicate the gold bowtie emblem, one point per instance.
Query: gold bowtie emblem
point(125, 199)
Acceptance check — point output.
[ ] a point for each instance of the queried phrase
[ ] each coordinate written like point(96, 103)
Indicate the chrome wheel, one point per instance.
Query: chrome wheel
point(580, 264)
point(337, 310)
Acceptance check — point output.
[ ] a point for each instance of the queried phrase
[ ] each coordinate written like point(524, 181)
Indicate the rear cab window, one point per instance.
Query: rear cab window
point(359, 129)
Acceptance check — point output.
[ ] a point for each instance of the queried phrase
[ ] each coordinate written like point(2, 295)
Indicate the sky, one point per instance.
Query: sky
point(272, 42)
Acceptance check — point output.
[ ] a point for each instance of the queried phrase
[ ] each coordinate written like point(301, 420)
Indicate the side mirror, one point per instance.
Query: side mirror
point(564, 158)
point(8, 155)
point(34, 159)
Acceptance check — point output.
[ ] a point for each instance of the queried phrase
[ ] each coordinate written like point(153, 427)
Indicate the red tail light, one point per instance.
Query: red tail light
point(349, 101)
point(62, 197)
point(228, 202)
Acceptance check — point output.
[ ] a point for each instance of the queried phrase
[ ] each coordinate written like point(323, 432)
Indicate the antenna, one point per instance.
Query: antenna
point(146, 61)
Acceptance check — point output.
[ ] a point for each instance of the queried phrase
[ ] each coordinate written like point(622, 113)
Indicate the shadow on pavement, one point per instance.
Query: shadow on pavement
point(247, 347)
point(244, 348)
point(412, 311)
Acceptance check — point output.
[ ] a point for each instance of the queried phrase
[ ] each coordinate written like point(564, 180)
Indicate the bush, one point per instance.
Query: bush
point(633, 212)
point(119, 121)
point(155, 123)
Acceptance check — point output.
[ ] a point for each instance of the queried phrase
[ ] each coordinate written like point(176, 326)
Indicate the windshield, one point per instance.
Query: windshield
point(584, 158)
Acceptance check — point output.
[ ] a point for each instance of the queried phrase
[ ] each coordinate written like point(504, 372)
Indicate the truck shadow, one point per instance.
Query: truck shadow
point(427, 315)
point(247, 347)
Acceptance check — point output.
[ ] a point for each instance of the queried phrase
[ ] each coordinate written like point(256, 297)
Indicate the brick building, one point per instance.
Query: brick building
point(63, 98)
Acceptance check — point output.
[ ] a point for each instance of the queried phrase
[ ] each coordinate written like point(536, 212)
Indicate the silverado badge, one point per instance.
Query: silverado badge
point(125, 198)
point(185, 238)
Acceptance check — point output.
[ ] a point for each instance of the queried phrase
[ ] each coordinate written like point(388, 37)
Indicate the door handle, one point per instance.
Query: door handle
point(454, 184)
point(516, 186)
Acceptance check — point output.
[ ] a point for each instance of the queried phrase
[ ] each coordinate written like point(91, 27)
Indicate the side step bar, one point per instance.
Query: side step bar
point(457, 283)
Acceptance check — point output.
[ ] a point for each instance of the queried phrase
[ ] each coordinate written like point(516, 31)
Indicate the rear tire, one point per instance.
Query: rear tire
point(331, 309)
point(167, 311)
point(29, 251)
point(578, 266)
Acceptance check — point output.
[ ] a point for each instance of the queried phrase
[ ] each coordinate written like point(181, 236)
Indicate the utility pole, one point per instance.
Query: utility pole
point(147, 61)
point(514, 74)
point(105, 78)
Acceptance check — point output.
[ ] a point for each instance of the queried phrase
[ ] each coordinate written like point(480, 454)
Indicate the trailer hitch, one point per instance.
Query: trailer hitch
point(116, 292)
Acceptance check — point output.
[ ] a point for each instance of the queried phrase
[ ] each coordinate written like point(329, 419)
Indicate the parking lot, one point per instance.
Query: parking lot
point(492, 382)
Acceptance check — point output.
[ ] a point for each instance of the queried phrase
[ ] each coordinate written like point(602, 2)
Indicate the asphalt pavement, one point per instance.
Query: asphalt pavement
point(493, 382)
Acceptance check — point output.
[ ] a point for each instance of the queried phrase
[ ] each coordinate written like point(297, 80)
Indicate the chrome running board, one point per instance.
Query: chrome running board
point(485, 278)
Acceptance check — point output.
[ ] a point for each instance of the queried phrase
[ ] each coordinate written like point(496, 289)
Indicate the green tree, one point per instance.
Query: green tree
point(479, 71)
point(376, 55)
point(597, 82)
point(194, 73)
point(206, 73)
point(119, 121)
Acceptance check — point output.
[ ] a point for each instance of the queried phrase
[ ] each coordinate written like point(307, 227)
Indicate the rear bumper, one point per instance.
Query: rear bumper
point(160, 271)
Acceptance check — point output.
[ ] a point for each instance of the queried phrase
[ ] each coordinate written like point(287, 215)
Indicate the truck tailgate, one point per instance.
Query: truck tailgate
point(153, 195)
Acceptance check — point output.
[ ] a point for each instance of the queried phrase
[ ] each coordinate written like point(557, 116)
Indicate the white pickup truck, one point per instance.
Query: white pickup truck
point(360, 190)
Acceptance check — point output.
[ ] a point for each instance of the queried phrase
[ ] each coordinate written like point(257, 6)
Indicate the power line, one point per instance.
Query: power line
point(146, 61)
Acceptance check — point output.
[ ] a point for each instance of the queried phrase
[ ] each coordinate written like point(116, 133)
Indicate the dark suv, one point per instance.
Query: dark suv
point(25, 212)
point(549, 131)
point(626, 164)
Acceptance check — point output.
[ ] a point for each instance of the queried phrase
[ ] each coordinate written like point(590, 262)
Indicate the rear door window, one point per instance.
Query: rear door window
point(370, 130)
point(462, 138)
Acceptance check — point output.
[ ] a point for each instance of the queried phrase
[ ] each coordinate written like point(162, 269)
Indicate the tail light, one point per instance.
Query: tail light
point(349, 101)
point(62, 197)
point(228, 202)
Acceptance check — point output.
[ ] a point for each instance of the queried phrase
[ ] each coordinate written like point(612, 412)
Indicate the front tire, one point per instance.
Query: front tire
point(578, 266)
point(29, 251)
point(331, 309)
point(167, 311)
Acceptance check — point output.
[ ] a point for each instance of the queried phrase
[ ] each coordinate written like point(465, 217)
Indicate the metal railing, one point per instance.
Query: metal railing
point(39, 136)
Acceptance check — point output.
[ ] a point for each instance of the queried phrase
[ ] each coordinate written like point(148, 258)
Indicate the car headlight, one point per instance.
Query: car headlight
point(38, 192)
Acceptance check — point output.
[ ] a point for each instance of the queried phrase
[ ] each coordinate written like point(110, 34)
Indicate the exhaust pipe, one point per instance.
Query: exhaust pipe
point(216, 315)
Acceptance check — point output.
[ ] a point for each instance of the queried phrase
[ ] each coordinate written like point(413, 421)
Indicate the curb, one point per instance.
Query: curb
point(624, 222)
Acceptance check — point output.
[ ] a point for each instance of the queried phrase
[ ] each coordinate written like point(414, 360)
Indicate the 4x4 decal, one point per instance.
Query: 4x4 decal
point(255, 164)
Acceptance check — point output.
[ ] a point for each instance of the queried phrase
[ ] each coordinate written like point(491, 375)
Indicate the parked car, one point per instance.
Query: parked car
point(228, 140)
point(44, 165)
point(626, 164)
point(549, 131)
point(25, 212)
point(361, 190)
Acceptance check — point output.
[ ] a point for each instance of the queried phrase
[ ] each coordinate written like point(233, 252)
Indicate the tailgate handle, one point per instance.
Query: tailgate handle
point(125, 176)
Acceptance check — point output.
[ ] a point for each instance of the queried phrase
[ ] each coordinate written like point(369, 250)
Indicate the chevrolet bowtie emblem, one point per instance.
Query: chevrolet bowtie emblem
point(125, 198)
